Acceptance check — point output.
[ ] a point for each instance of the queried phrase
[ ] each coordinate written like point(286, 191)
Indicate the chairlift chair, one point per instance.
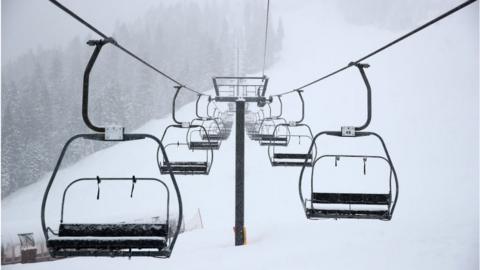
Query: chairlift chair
point(221, 127)
point(207, 138)
point(227, 121)
point(200, 139)
point(265, 134)
point(252, 123)
point(298, 135)
point(109, 239)
point(182, 167)
point(367, 205)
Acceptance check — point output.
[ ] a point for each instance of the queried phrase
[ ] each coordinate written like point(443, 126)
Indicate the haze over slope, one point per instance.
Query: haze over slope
point(425, 105)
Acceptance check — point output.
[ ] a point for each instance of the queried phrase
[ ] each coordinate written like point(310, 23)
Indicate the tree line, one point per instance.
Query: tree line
point(42, 90)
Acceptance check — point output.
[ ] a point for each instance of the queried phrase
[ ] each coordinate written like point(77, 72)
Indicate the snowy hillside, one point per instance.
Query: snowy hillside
point(425, 105)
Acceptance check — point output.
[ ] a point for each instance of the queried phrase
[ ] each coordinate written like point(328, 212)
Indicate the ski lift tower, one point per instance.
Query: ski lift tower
point(238, 91)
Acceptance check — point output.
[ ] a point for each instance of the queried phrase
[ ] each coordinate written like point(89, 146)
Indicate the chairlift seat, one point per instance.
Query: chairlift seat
point(185, 168)
point(215, 137)
point(357, 214)
point(290, 164)
point(273, 143)
point(350, 198)
point(122, 229)
point(254, 135)
point(108, 239)
point(204, 145)
point(292, 156)
point(269, 138)
point(273, 140)
point(291, 160)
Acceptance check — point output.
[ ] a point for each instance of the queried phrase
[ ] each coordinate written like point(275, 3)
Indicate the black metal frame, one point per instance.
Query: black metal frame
point(361, 67)
point(259, 88)
point(240, 101)
point(183, 168)
point(252, 125)
point(160, 247)
point(134, 179)
point(273, 149)
point(208, 152)
point(391, 207)
point(302, 101)
point(364, 157)
point(310, 212)
point(265, 134)
point(216, 131)
point(239, 229)
point(165, 252)
point(288, 126)
point(256, 129)
point(221, 133)
point(86, 81)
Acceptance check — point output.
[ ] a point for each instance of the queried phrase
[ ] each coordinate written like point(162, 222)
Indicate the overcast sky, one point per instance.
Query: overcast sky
point(28, 24)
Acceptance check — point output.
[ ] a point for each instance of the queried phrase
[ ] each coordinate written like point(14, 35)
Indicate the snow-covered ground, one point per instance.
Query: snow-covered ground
point(425, 105)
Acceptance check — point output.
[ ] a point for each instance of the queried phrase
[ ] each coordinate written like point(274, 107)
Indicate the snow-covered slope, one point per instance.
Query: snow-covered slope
point(425, 105)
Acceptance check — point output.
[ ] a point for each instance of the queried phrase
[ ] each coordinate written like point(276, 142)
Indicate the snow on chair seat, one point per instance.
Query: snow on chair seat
point(204, 145)
point(266, 140)
point(351, 198)
point(185, 167)
point(357, 214)
point(222, 135)
point(291, 159)
point(361, 205)
point(111, 239)
point(366, 205)
point(293, 151)
point(121, 229)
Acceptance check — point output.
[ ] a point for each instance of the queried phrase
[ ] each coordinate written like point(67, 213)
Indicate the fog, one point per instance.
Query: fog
point(425, 93)
point(27, 24)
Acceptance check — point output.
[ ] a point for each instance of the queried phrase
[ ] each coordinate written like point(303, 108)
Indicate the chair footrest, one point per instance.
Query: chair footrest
point(265, 137)
point(351, 198)
point(290, 164)
point(359, 214)
point(292, 156)
point(187, 163)
point(273, 143)
point(106, 243)
point(108, 253)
